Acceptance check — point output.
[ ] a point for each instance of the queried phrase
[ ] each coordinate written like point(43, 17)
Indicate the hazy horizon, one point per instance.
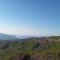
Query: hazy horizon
point(30, 17)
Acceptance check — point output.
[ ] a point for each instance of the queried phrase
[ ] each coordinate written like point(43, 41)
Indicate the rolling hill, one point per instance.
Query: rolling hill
point(43, 48)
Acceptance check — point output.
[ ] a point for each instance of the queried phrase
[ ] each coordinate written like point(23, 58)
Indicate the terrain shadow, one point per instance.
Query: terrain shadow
point(22, 57)
point(26, 57)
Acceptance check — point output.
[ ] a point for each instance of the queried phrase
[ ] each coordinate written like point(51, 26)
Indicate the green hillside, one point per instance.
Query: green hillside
point(36, 48)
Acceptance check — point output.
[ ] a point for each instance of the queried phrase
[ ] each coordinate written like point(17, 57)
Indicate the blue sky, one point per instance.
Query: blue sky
point(30, 17)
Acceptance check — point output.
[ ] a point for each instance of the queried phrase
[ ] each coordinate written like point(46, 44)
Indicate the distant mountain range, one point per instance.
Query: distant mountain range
point(14, 37)
point(28, 36)
point(7, 37)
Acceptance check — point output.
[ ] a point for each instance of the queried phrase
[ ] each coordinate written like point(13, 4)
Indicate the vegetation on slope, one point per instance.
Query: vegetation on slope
point(35, 49)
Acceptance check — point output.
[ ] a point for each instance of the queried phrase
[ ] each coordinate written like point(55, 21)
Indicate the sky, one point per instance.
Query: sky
point(30, 17)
